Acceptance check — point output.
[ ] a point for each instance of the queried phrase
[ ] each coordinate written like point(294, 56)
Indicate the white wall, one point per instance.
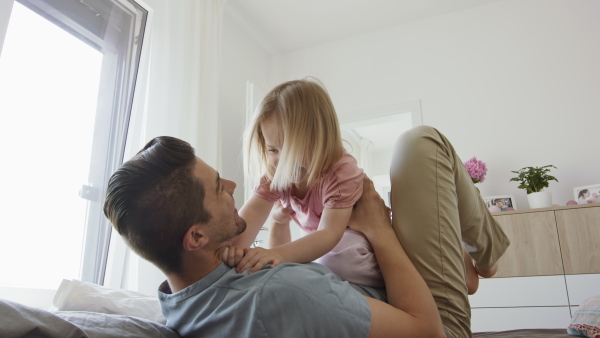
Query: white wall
point(243, 60)
point(515, 83)
point(522, 74)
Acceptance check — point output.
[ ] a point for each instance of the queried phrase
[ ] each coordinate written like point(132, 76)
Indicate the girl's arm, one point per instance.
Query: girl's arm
point(279, 233)
point(306, 249)
point(255, 212)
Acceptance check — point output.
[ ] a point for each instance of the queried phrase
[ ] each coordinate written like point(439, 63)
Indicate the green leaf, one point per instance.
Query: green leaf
point(533, 179)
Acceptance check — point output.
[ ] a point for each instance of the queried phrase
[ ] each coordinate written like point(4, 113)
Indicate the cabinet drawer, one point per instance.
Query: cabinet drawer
point(504, 319)
point(534, 248)
point(520, 291)
point(582, 287)
point(579, 231)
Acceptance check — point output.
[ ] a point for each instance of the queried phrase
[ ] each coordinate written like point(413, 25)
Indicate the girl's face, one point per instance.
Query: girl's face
point(271, 132)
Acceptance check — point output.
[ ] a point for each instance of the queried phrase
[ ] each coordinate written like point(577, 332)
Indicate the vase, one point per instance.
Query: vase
point(542, 199)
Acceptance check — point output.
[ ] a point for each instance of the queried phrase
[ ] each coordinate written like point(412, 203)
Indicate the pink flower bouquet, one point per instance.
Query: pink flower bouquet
point(476, 169)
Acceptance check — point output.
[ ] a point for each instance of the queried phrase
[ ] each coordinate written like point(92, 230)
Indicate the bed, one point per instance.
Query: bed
point(89, 310)
point(531, 333)
point(84, 309)
point(17, 320)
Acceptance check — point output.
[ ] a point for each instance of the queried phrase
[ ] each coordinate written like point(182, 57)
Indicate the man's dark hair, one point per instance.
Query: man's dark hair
point(154, 198)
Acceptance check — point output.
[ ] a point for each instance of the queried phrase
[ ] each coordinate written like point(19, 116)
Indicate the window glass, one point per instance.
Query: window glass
point(66, 87)
point(48, 107)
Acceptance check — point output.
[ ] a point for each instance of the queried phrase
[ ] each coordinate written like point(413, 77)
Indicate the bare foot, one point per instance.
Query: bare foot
point(471, 275)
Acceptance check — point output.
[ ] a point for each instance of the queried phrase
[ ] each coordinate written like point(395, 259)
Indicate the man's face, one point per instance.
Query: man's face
point(225, 223)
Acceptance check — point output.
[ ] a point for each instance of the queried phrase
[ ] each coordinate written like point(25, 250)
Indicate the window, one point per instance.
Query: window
point(370, 135)
point(67, 74)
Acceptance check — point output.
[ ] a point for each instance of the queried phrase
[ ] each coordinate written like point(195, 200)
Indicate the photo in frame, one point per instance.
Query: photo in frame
point(500, 203)
point(587, 194)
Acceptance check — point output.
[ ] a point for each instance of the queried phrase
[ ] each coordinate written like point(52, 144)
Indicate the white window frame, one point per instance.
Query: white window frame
point(121, 63)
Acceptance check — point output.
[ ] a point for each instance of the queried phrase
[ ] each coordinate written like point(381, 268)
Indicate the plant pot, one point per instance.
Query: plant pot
point(542, 199)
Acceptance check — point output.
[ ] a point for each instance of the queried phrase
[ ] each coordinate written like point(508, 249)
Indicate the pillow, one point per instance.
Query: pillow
point(586, 321)
point(74, 295)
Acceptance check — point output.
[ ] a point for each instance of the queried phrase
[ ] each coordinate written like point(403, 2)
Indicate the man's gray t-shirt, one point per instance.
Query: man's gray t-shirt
point(290, 300)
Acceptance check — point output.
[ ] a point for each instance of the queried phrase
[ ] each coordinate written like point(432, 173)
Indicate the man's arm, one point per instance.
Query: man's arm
point(410, 311)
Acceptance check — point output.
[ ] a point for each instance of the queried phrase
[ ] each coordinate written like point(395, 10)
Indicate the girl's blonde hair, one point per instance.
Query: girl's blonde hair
point(311, 138)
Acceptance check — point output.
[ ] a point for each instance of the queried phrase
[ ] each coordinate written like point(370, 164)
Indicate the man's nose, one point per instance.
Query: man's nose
point(230, 186)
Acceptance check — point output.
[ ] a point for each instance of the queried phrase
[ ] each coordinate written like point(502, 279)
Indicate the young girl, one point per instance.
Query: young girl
point(295, 142)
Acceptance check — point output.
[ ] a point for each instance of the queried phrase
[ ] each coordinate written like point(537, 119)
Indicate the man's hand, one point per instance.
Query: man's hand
point(370, 214)
point(258, 258)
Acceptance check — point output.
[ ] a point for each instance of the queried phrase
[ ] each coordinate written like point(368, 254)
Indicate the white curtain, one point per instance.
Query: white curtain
point(5, 9)
point(176, 95)
point(180, 87)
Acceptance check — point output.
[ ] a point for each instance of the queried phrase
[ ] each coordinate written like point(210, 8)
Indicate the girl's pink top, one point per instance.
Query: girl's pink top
point(339, 187)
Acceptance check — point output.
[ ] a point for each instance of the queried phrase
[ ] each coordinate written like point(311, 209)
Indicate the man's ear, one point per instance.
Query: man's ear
point(195, 238)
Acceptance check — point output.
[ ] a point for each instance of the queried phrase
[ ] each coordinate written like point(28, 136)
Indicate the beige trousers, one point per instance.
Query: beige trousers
point(436, 208)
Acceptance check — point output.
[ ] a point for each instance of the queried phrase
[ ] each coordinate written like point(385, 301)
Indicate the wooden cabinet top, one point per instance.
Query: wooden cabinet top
point(568, 207)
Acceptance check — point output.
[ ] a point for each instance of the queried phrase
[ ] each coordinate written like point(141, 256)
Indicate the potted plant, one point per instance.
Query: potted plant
point(534, 180)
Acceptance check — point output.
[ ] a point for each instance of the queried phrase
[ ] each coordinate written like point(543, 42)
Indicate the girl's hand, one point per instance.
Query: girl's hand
point(258, 258)
point(280, 225)
point(232, 255)
point(280, 214)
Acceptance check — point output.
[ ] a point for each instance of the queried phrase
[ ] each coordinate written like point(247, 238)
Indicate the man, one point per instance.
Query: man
point(175, 211)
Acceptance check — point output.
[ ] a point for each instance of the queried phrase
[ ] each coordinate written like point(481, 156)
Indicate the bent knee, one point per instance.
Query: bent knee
point(417, 133)
point(416, 140)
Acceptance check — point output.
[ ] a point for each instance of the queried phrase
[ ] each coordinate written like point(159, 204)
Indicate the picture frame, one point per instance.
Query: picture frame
point(591, 196)
point(508, 202)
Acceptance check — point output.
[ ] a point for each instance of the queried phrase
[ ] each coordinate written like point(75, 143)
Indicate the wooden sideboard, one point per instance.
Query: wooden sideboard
point(551, 241)
point(552, 265)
